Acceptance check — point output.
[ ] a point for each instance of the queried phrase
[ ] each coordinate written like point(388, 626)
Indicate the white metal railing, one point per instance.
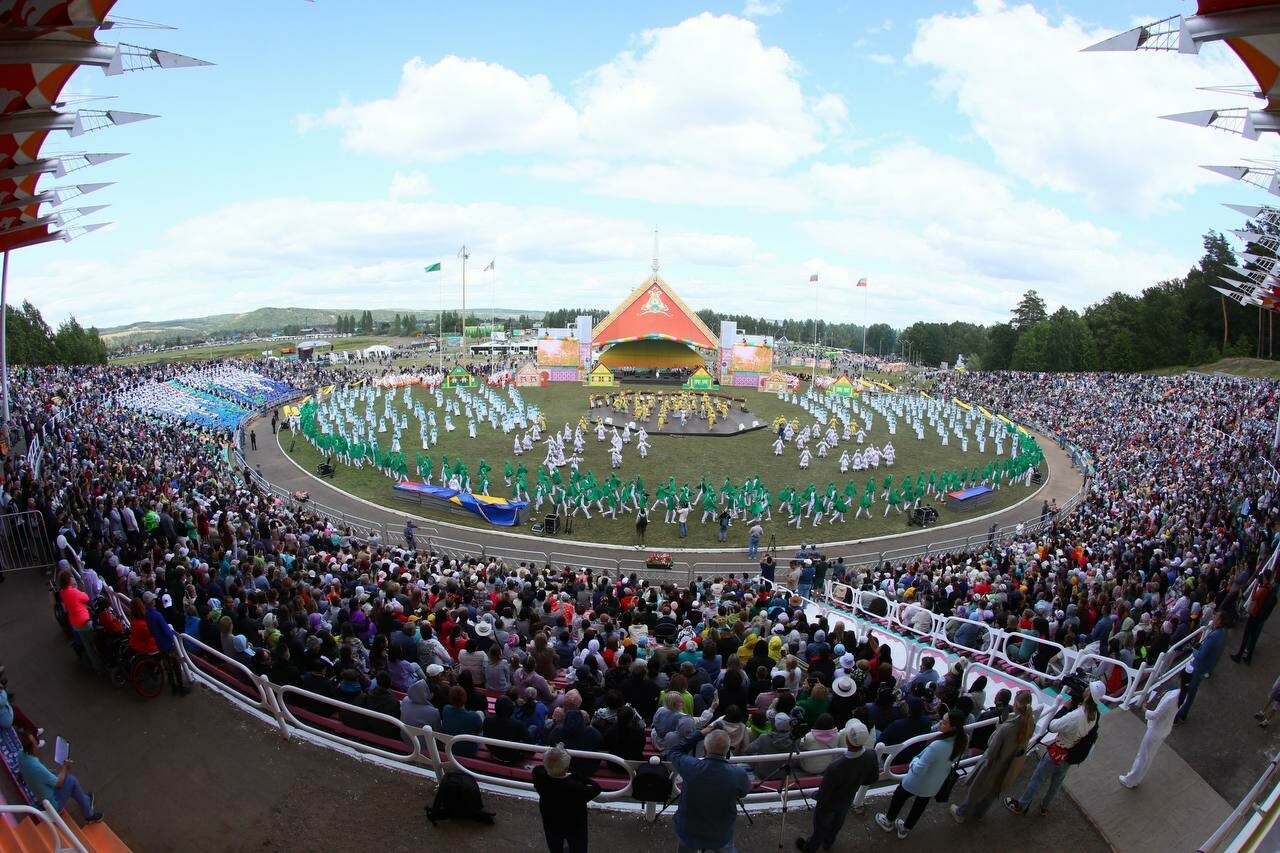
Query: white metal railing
point(1252, 819)
point(63, 839)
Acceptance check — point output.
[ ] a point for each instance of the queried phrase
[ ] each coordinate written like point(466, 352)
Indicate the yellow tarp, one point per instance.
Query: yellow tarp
point(652, 354)
point(964, 406)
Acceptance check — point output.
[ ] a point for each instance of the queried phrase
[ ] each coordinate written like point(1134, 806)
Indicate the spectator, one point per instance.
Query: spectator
point(707, 809)
point(844, 786)
point(562, 801)
point(457, 720)
point(924, 779)
point(58, 788)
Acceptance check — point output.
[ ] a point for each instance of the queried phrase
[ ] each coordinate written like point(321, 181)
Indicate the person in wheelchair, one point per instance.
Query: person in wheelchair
point(924, 516)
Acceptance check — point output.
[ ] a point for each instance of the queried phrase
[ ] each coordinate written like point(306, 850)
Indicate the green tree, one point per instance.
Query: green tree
point(1032, 349)
point(1068, 342)
point(1029, 311)
point(28, 338)
point(74, 344)
point(366, 323)
point(998, 354)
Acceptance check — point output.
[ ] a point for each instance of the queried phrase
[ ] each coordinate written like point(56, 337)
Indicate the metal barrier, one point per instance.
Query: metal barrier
point(63, 838)
point(1253, 819)
point(24, 543)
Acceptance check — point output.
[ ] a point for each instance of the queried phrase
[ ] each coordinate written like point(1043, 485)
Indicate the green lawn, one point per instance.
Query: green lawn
point(686, 458)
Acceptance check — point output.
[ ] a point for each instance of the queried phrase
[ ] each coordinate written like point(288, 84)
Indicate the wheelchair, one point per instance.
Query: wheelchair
point(922, 516)
point(325, 469)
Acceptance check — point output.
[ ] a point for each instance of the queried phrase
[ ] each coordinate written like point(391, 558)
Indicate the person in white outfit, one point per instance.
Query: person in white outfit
point(1159, 724)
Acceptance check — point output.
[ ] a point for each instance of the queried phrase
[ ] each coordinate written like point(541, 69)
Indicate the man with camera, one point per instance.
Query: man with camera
point(710, 788)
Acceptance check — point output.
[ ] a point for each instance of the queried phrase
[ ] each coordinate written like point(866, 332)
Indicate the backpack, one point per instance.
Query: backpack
point(458, 797)
point(1077, 753)
point(652, 784)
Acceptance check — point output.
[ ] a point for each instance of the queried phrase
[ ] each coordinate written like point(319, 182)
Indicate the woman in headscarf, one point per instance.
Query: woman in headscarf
point(775, 648)
point(1001, 762)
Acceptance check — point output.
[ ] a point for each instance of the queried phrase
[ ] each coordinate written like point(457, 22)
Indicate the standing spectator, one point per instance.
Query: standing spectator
point(1001, 761)
point(682, 517)
point(1159, 724)
point(924, 779)
point(163, 635)
point(642, 524)
point(1078, 724)
point(722, 520)
point(709, 794)
point(76, 603)
point(753, 539)
point(1261, 603)
point(1202, 664)
point(562, 801)
point(58, 787)
point(844, 785)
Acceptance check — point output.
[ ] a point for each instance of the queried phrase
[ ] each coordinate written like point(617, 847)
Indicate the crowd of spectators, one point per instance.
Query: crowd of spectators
point(1178, 515)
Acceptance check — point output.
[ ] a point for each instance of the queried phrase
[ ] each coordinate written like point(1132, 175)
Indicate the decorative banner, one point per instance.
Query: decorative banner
point(558, 353)
point(751, 359)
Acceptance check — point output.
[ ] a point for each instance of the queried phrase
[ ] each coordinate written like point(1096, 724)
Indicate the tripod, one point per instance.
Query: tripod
point(787, 775)
point(772, 550)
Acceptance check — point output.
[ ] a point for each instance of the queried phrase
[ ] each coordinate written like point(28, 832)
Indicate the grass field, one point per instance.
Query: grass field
point(687, 458)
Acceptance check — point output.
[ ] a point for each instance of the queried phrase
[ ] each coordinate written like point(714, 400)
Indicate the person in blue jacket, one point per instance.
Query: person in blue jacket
point(709, 793)
point(928, 771)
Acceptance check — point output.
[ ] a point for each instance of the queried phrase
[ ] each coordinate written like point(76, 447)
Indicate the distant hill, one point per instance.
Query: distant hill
point(270, 320)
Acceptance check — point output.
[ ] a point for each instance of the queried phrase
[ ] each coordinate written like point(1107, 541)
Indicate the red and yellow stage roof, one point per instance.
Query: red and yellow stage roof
point(653, 312)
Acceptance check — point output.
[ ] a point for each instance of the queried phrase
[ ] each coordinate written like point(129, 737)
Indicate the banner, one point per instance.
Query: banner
point(751, 359)
point(558, 353)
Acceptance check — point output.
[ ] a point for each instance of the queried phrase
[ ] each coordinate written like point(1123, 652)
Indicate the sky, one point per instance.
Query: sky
point(955, 154)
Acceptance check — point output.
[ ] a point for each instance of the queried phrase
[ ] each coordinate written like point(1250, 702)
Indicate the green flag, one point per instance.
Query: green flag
point(434, 267)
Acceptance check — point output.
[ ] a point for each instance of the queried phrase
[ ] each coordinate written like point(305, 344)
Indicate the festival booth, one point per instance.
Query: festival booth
point(701, 380)
point(600, 377)
point(459, 378)
point(843, 387)
point(653, 330)
point(529, 376)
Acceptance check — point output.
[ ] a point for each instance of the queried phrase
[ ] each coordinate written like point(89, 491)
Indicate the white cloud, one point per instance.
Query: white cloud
point(451, 108)
point(763, 8)
point(1079, 122)
point(409, 185)
point(881, 58)
point(669, 101)
point(294, 251)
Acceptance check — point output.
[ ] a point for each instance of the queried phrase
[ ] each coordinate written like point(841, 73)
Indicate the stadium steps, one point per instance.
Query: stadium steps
point(30, 836)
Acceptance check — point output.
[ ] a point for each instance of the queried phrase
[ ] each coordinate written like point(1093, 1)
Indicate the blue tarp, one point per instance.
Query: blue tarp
point(498, 511)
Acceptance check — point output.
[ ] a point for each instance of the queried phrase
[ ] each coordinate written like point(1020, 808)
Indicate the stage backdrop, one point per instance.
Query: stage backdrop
point(751, 359)
point(558, 353)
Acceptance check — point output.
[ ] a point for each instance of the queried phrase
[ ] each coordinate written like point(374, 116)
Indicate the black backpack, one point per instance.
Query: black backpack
point(652, 784)
point(1080, 751)
point(458, 797)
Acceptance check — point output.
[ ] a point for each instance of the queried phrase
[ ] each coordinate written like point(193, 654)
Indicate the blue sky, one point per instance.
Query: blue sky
point(956, 154)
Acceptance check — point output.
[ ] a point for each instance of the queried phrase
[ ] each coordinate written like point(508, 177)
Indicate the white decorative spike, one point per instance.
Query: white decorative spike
point(96, 159)
point(1199, 118)
point(1125, 42)
point(1235, 173)
point(1249, 210)
point(168, 59)
point(115, 67)
point(120, 117)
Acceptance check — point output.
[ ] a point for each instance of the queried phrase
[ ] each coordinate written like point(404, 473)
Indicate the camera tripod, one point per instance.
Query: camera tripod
point(786, 774)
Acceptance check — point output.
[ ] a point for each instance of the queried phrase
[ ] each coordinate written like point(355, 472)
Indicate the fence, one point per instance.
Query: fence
point(23, 542)
point(426, 752)
point(62, 838)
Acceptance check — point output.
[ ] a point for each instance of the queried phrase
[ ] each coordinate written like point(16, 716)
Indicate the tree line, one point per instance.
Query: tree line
point(29, 340)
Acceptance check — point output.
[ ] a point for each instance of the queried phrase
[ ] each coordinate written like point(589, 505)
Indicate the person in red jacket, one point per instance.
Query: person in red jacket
point(76, 603)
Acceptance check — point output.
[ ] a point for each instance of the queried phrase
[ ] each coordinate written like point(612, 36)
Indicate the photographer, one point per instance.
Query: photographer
point(709, 792)
point(844, 784)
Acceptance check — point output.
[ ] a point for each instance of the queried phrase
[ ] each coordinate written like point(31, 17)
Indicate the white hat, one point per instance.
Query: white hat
point(856, 734)
point(844, 686)
point(434, 670)
point(483, 629)
point(1098, 691)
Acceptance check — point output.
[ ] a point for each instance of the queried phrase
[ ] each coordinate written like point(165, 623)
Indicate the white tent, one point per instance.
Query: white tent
point(378, 351)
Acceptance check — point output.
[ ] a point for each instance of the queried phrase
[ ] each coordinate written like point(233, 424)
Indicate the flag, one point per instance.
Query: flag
point(862, 282)
point(486, 269)
point(813, 277)
point(434, 267)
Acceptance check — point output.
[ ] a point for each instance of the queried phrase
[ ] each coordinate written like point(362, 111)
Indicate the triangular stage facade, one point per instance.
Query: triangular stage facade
point(653, 312)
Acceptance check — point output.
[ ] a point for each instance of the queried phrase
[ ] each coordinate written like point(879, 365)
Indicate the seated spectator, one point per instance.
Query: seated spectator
point(776, 742)
point(641, 692)
point(416, 708)
point(822, 735)
point(380, 700)
point(844, 699)
point(497, 672)
point(502, 725)
point(667, 718)
point(926, 676)
point(914, 724)
point(625, 738)
point(476, 699)
point(574, 730)
point(531, 712)
point(815, 701)
point(403, 671)
point(457, 720)
point(58, 788)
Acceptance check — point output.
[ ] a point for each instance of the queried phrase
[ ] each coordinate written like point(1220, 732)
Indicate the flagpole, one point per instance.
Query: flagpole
point(865, 318)
point(463, 253)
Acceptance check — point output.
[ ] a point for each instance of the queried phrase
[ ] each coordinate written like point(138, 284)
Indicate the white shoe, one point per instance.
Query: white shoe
point(882, 821)
point(901, 826)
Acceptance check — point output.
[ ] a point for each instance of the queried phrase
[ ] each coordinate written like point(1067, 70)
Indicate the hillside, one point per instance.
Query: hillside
point(269, 320)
